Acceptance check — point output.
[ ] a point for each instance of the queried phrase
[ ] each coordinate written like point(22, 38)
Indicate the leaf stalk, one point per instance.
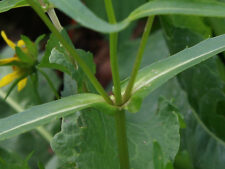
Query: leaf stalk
point(138, 59)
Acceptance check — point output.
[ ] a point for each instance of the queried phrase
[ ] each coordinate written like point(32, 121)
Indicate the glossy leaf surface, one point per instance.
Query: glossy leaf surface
point(75, 143)
point(151, 77)
point(40, 115)
point(79, 12)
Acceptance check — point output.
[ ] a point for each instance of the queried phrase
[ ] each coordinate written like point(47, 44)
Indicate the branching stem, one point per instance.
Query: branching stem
point(71, 51)
point(138, 59)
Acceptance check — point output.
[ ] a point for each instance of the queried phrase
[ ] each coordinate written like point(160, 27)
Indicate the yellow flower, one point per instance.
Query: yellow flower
point(17, 71)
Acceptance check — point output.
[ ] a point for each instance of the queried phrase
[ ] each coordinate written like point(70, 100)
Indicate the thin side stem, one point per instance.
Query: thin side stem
point(138, 59)
point(54, 19)
point(71, 51)
point(113, 53)
point(120, 119)
point(50, 83)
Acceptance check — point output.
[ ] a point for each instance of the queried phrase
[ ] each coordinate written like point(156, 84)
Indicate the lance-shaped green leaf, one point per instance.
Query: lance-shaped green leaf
point(79, 12)
point(42, 114)
point(179, 7)
point(6, 5)
point(153, 76)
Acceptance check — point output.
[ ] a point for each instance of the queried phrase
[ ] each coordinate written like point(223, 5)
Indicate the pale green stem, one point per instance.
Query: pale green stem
point(44, 133)
point(113, 53)
point(138, 59)
point(54, 19)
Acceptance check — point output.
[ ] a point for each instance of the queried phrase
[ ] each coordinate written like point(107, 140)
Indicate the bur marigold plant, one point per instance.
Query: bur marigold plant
point(140, 121)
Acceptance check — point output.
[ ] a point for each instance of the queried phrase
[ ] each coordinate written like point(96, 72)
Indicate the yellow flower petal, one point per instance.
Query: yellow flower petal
point(22, 83)
point(8, 60)
point(8, 41)
point(21, 43)
point(9, 78)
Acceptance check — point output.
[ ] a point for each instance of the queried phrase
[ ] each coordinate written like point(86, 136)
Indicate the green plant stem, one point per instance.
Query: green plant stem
point(52, 15)
point(138, 59)
point(71, 50)
point(110, 11)
point(113, 53)
point(120, 120)
point(41, 130)
point(54, 19)
point(50, 83)
point(115, 67)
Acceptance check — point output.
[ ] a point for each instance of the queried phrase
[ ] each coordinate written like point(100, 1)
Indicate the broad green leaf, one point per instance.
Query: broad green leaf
point(79, 12)
point(42, 114)
point(75, 143)
point(207, 123)
point(205, 148)
point(203, 137)
point(6, 5)
point(151, 77)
